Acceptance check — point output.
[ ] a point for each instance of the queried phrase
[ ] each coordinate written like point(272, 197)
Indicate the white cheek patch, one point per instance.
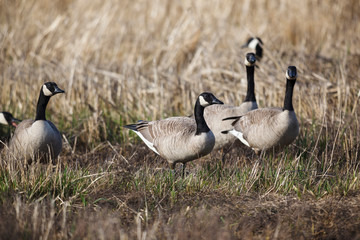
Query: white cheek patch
point(2, 119)
point(203, 102)
point(253, 43)
point(46, 91)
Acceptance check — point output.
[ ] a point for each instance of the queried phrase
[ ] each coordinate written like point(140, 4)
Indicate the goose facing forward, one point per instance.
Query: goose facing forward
point(34, 139)
point(179, 139)
point(256, 44)
point(215, 114)
point(265, 128)
point(7, 118)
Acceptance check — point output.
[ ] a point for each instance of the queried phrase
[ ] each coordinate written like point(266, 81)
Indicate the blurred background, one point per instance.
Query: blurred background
point(120, 61)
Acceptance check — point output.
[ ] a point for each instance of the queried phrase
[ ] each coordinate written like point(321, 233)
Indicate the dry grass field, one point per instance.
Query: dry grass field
point(121, 61)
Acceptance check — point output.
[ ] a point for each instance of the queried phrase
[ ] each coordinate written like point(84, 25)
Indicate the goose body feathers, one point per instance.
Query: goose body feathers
point(174, 138)
point(266, 128)
point(179, 139)
point(214, 116)
point(36, 137)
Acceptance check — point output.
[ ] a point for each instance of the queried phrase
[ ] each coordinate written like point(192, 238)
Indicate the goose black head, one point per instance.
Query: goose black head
point(252, 42)
point(256, 44)
point(207, 98)
point(7, 118)
point(50, 89)
point(250, 59)
point(291, 73)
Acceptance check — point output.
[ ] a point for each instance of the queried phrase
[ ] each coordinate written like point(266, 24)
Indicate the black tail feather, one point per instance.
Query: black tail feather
point(133, 127)
point(137, 126)
point(232, 118)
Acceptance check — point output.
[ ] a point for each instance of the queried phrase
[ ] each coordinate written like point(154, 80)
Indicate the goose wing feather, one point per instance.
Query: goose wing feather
point(214, 116)
point(174, 138)
point(256, 127)
point(268, 127)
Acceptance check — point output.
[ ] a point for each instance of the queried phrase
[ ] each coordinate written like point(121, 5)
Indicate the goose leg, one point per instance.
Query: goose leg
point(261, 155)
point(183, 169)
point(225, 150)
point(172, 168)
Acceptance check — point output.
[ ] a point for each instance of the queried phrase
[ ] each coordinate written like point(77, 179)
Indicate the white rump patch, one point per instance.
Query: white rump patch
point(147, 142)
point(239, 135)
point(46, 91)
point(3, 119)
point(253, 43)
point(203, 102)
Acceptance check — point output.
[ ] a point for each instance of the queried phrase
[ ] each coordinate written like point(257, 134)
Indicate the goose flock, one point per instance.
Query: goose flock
point(214, 125)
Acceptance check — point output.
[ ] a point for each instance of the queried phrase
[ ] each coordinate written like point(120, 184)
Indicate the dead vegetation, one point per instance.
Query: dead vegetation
point(120, 62)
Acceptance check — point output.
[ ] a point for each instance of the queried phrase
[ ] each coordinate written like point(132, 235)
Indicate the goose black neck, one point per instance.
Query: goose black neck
point(258, 52)
point(250, 95)
point(41, 106)
point(288, 95)
point(201, 126)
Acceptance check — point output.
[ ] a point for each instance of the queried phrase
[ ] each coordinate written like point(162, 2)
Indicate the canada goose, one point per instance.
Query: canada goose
point(7, 118)
point(265, 128)
point(256, 44)
point(179, 139)
point(34, 138)
point(215, 114)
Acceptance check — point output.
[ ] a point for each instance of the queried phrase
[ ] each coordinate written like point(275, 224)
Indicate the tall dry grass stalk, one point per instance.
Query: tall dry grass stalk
point(151, 59)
